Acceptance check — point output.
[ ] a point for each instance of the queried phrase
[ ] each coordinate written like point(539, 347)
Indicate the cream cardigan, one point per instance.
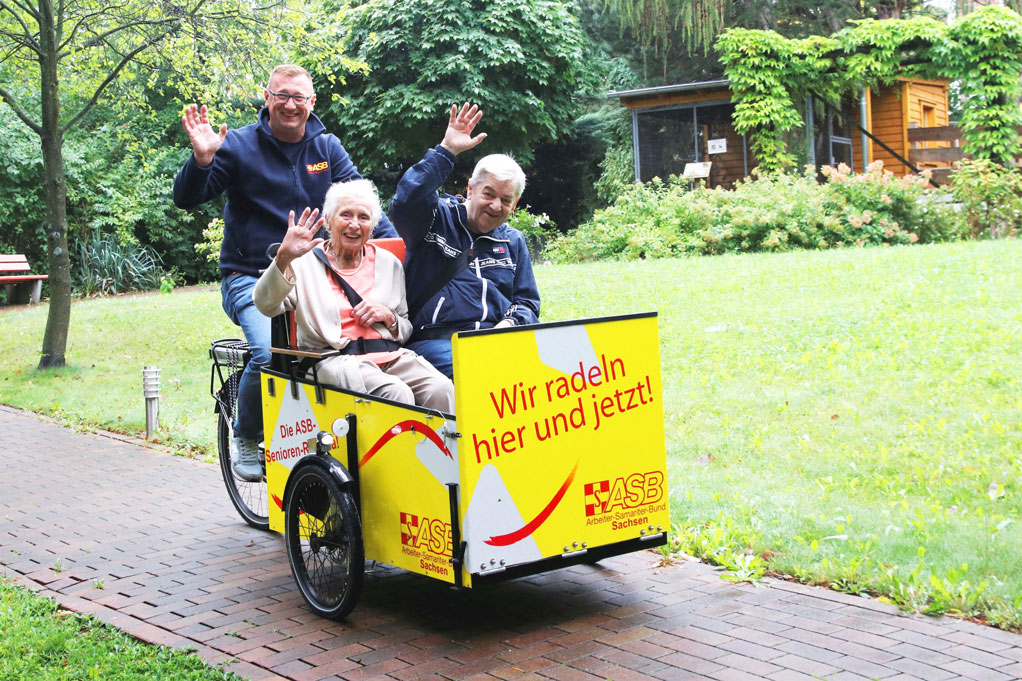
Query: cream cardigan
point(306, 288)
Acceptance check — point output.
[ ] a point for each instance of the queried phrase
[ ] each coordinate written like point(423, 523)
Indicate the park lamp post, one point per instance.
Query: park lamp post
point(151, 391)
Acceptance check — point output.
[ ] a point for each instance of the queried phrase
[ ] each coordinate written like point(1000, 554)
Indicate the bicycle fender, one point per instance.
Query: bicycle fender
point(334, 467)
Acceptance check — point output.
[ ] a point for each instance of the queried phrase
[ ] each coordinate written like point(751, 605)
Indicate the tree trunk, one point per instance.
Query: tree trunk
point(58, 318)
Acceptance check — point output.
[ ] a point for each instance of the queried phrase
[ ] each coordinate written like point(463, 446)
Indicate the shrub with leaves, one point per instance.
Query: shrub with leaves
point(765, 212)
point(991, 198)
point(104, 265)
point(538, 228)
point(983, 50)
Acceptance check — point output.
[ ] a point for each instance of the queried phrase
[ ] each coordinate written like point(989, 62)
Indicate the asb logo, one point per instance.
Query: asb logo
point(313, 168)
point(426, 534)
point(638, 489)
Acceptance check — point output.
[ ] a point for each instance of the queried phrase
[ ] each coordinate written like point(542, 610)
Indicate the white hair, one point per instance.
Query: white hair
point(354, 189)
point(500, 167)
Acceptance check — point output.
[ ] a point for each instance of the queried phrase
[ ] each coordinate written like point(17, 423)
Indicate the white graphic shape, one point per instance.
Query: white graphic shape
point(563, 347)
point(442, 467)
point(492, 513)
point(295, 425)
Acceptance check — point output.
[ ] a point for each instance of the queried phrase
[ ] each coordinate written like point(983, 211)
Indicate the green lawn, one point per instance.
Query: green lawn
point(848, 417)
point(38, 642)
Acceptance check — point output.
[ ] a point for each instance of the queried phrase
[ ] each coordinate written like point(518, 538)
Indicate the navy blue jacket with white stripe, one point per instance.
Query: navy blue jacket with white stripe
point(498, 282)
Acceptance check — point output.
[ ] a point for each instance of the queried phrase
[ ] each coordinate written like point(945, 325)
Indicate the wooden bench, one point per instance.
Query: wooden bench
point(21, 288)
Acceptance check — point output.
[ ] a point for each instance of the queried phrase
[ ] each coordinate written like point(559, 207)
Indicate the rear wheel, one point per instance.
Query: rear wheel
point(249, 498)
point(324, 541)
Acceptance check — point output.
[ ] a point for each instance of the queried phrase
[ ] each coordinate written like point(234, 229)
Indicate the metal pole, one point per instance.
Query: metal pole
point(865, 124)
point(151, 392)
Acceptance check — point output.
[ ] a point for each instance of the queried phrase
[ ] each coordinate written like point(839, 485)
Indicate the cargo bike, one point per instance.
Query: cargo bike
point(555, 456)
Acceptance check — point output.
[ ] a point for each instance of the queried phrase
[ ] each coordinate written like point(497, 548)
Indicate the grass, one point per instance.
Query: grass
point(42, 643)
point(843, 417)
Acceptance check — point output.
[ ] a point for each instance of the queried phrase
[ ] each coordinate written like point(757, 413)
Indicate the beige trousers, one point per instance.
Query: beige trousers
point(409, 379)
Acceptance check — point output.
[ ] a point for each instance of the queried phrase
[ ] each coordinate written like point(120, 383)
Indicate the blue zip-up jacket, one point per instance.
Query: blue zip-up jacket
point(264, 180)
point(498, 282)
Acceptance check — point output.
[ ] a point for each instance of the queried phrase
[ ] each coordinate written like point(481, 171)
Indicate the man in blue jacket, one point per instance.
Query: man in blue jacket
point(465, 268)
point(285, 162)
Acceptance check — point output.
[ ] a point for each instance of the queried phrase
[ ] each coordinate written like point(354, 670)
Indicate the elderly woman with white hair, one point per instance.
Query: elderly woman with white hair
point(349, 295)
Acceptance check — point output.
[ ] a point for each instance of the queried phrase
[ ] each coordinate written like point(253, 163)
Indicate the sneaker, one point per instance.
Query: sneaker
point(247, 460)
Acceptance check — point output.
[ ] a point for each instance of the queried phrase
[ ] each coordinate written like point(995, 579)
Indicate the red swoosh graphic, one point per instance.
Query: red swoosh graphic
point(404, 427)
point(533, 525)
point(278, 501)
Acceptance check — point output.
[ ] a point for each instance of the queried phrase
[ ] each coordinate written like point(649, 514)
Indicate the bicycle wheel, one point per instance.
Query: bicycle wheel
point(324, 542)
point(249, 498)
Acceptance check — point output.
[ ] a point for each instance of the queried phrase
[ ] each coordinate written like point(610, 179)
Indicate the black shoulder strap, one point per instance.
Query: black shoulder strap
point(441, 278)
point(352, 294)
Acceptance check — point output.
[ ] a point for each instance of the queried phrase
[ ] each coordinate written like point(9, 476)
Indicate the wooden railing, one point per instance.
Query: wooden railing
point(945, 133)
point(950, 154)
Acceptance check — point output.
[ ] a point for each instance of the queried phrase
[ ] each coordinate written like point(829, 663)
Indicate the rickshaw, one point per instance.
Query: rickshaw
point(555, 456)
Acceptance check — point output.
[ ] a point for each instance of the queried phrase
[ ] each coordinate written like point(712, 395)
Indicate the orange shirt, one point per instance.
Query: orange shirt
point(361, 279)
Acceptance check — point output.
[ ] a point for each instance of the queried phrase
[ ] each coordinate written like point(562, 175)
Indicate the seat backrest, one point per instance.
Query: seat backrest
point(19, 263)
point(393, 244)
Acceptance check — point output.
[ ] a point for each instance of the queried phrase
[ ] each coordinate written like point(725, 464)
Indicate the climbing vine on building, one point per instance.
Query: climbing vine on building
point(771, 75)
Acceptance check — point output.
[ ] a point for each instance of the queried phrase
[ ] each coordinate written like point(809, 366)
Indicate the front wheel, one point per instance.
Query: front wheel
point(249, 498)
point(324, 542)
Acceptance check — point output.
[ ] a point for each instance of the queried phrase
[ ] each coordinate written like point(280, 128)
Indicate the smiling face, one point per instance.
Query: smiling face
point(351, 225)
point(287, 119)
point(488, 202)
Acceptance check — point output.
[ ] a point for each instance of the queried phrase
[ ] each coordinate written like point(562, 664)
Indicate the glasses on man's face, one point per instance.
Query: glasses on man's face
point(282, 97)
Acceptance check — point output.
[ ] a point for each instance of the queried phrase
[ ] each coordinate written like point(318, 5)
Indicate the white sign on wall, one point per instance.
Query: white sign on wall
point(716, 146)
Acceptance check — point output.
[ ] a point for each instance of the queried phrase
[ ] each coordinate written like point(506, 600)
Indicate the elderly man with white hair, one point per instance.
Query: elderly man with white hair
point(466, 268)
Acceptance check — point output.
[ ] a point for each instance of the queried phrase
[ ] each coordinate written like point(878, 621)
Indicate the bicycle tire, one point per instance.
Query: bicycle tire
point(249, 498)
point(324, 542)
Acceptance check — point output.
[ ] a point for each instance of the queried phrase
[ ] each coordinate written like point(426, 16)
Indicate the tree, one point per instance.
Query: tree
point(675, 31)
point(522, 61)
point(59, 60)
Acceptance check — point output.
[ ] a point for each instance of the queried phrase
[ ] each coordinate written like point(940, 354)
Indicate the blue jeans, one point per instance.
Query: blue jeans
point(236, 292)
point(437, 352)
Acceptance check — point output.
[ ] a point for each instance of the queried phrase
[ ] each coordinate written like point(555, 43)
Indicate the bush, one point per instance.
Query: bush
point(538, 228)
point(991, 198)
point(105, 265)
point(766, 212)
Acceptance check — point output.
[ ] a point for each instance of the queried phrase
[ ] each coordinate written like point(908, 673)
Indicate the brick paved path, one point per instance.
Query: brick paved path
point(178, 567)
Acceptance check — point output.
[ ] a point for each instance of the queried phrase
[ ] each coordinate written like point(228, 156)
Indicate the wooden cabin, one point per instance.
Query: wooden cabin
point(677, 125)
point(911, 105)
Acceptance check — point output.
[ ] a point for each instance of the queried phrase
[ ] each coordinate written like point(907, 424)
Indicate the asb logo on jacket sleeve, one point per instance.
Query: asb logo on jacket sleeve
point(314, 168)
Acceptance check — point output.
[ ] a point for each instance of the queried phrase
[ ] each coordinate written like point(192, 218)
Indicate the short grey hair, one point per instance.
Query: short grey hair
point(288, 70)
point(500, 167)
point(340, 192)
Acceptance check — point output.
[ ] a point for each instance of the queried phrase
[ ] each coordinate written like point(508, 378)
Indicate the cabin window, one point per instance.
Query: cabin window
point(667, 138)
point(832, 133)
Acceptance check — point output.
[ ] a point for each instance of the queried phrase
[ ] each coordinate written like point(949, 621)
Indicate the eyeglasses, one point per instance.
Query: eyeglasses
point(284, 96)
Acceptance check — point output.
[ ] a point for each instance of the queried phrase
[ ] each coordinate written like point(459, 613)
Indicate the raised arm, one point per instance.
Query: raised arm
point(299, 239)
point(416, 198)
point(206, 173)
point(460, 126)
point(205, 140)
point(274, 292)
